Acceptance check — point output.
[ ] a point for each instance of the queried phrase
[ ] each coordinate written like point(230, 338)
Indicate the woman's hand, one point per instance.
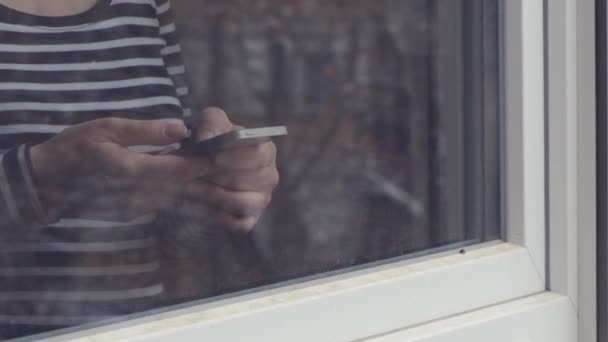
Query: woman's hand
point(239, 190)
point(92, 160)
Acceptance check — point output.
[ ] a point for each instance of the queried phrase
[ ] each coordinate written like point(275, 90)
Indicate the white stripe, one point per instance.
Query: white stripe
point(58, 321)
point(7, 194)
point(51, 129)
point(121, 21)
point(84, 223)
point(113, 246)
point(82, 295)
point(168, 29)
point(110, 44)
point(79, 271)
point(90, 106)
point(163, 8)
point(176, 70)
point(182, 91)
point(129, 83)
point(169, 50)
point(84, 66)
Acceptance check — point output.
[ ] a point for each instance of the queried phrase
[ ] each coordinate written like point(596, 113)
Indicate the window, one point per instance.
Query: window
point(417, 179)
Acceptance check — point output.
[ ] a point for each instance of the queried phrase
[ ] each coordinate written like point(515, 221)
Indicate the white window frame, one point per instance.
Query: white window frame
point(497, 291)
point(571, 121)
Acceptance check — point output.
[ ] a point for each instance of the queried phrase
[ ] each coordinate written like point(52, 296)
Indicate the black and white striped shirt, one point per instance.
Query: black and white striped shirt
point(120, 58)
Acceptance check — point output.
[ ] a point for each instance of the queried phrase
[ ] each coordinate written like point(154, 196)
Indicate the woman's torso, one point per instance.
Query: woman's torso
point(59, 71)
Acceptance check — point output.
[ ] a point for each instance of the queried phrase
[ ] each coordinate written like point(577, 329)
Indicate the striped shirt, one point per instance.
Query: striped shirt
point(120, 58)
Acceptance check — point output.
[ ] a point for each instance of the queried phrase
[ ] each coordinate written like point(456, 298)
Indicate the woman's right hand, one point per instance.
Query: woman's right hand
point(95, 155)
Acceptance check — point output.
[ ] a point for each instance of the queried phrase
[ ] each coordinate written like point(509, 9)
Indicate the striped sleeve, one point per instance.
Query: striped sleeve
point(20, 204)
point(172, 54)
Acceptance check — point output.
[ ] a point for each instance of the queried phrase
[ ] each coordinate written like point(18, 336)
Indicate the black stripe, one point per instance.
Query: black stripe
point(73, 118)
point(10, 141)
point(75, 37)
point(60, 259)
point(105, 308)
point(85, 96)
point(171, 37)
point(173, 59)
point(73, 283)
point(54, 77)
point(165, 18)
point(134, 10)
point(180, 80)
point(103, 55)
point(61, 234)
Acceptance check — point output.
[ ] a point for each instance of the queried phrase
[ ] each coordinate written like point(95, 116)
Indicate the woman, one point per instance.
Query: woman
point(88, 89)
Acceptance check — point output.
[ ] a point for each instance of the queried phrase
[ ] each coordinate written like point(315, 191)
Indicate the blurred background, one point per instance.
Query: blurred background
point(393, 111)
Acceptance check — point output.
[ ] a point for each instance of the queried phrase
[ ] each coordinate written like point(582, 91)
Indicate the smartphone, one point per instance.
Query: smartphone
point(233, 139)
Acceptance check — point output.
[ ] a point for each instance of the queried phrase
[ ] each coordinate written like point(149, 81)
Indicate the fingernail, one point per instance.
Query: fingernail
point(176, 131)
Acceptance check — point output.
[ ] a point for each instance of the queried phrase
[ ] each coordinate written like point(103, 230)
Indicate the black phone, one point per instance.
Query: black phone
point(229, 140)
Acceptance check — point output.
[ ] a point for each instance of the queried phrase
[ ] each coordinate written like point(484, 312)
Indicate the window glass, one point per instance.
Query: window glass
point(393, 112)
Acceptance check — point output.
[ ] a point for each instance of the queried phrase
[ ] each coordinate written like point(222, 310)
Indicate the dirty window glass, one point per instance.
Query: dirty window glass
point(393, 151)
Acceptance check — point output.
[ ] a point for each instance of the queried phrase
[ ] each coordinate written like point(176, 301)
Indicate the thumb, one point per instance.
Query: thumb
point(212, 122)
point(126, 132)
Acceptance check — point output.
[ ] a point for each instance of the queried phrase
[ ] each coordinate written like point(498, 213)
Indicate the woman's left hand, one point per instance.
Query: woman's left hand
point(240, 189)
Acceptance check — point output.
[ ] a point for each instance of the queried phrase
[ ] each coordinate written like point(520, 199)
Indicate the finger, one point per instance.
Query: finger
point(126, 132)
point(247, 158)
point(263, 180)
point(237, 203)
point(212, 122)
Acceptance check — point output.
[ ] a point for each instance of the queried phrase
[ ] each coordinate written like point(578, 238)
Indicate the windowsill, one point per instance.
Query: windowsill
point(345, 307)
point(547, 316)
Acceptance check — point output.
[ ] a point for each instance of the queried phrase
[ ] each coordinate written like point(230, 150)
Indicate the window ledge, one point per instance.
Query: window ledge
point(544, 317)
point(347, 307)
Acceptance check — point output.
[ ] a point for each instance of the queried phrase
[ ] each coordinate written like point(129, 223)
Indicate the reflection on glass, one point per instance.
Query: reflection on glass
point(393, 112)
